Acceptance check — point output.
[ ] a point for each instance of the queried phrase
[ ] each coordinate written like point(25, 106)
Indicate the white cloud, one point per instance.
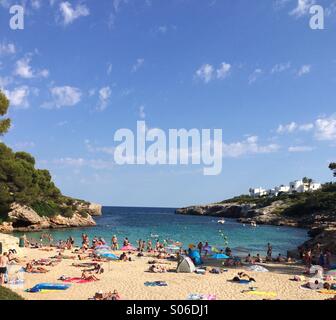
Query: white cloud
point(325, 128)
point(293, 127)
point(18, 97)
point(36, 4)
point(223, 70)
point(96, 164)
point(70, 14)
point(5, 81)
point(104, 96)
point(305, 69)
point(24, 70)
point(288, 128)
point(205, 73)
point(162, 29)
point(254, 76)
point(302, 8)
point(306, 127)
point(297, 149)
point(65, 96)
point(142, 113)
point(248, 146)
point(7, 48)
point(117, 4)
point(279, 4)
point(139, 63)
point(109, 68)
point(24, 145)
point(281, 67)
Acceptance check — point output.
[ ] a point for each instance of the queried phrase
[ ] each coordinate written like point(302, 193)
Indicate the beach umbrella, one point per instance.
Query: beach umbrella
point(220, 256)
point(109, 256)
point(315, 268)
point(102, 247)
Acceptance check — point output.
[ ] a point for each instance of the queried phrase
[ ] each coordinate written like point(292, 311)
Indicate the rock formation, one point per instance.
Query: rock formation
point(24, 218)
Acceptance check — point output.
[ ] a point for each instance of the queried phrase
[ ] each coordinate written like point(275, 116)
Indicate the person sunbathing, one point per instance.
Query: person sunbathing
point(98, 269)
point(107, 296)
point(123, 257)
point(157, 269)
point(243, 275)
point(30, 269)
point(89, 277)
point(61, 256)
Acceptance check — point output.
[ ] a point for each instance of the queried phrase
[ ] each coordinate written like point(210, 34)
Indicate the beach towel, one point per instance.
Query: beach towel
point(196, 296)
point(262, 293)
point(77, 280)
point(244, 281)
point(128, 248)
point(48, 286)
point(327, 292)
point(156, 284)
point(331, 273)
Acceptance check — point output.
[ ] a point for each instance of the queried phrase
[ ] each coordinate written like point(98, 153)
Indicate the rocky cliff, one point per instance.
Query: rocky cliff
point(24, 218)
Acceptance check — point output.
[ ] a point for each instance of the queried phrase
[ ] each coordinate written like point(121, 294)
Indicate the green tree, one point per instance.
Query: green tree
point(332, 167)
point(4, 105)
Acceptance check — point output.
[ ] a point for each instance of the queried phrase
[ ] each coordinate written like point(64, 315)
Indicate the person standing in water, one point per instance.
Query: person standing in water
point(269, 252)
point(115, 245)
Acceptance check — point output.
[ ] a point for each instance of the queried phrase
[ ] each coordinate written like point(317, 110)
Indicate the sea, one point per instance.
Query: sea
point(164, 225)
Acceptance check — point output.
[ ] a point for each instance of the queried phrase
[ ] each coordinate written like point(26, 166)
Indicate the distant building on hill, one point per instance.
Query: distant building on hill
point(297, 186)
point(258, 192)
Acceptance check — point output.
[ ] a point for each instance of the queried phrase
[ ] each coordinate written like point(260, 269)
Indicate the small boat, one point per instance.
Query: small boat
point(253, 224)
point(222, 221)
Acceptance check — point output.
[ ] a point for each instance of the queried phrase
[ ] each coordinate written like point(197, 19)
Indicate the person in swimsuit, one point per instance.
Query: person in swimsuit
point(3, 267)
point(115, 245)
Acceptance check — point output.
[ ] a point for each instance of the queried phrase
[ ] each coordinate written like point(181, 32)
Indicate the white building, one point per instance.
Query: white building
point(282, 189)
point(258, 192)
point(300, 186)
point(297, 186)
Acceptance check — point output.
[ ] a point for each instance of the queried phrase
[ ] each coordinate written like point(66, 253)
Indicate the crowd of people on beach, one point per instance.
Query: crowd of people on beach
point(151, 248)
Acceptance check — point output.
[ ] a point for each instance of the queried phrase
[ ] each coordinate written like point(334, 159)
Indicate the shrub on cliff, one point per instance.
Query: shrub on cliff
point(21, 182)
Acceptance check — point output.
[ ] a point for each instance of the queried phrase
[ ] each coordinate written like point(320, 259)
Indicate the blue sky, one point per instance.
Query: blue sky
point(80, 70)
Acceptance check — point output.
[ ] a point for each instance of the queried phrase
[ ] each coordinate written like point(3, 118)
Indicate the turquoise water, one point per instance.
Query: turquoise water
point(141, 223)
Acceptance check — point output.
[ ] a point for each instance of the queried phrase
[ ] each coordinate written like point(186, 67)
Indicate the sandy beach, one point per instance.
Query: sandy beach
point(129, 278)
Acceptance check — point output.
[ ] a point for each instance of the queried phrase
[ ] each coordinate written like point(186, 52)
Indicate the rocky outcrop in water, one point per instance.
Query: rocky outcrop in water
point(24, 218)
point(322, 226)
